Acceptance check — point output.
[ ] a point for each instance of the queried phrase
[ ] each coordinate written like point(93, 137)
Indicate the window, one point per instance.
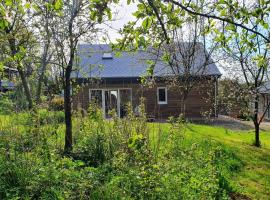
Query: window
point(162, 95)
point(107, 56)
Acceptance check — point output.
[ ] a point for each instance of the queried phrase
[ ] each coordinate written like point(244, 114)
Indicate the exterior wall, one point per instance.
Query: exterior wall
point(264, 101)
point(200, 99)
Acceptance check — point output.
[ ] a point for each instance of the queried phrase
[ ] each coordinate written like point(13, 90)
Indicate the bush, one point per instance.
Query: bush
point(6, 104)
point(116, 159)
point(49, 117)
point(57, 104)
point(93, 142)
point(14, 179)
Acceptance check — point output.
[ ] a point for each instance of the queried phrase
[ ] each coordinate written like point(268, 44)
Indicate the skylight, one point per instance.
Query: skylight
point(107, 56)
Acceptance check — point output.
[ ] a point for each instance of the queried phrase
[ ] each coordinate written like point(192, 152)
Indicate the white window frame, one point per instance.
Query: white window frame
point(166, 96)
point(118, 95)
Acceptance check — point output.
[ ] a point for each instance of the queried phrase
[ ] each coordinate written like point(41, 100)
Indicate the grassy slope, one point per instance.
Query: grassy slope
point(254, 178)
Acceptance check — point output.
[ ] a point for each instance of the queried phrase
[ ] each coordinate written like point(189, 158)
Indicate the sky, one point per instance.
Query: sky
point(123, 14)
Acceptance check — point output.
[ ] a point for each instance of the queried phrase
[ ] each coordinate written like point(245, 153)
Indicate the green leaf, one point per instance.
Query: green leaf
point(261, 60)
point(252, 36)
point(2, 24)
point(36, 8)
point(223, 12)
point(8, 2)
point(146, 23)
point(1, 66)
point(138, 14)
point(93, 16)
point(265, 25)
point(230, 27)
point(58, 4)
point(27, 5)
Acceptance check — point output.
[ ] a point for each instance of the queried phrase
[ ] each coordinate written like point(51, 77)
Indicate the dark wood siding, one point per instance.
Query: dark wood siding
point(200, 99)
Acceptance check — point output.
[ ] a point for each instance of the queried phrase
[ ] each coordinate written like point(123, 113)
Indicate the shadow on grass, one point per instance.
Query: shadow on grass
point(233, 125)
point(226, 122)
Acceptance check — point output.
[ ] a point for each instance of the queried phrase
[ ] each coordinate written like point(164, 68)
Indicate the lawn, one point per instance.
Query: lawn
point(38, 139)
point(253, 179)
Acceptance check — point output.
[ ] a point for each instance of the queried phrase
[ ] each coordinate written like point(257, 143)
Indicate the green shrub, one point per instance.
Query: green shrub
point(93, 142)
point(111, 159)
point(6, 104)
point(14, 178)
point(49, 117)
point(57, 104)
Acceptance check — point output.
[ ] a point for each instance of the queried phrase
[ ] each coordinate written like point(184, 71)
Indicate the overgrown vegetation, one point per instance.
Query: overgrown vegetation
point(234, 99)
point(118, 159)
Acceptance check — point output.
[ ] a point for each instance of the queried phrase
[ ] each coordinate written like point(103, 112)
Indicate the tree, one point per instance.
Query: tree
point(234, 13)
point(76, 20)
point(247, 45)
point(16, 35)
point(43, 13)
point(234, 97)
point(35, 52)
point(251, 55)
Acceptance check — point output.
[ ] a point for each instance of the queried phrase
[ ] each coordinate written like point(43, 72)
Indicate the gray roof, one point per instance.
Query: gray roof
point(6, 84)
point(128, 64)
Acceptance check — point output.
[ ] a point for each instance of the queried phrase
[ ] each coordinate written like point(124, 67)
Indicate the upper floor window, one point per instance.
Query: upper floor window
point(162, 95)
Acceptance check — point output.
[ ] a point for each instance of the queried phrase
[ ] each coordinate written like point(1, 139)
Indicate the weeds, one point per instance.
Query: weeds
point(112, 159)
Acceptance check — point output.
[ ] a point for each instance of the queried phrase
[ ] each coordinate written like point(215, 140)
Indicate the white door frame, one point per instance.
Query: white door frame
point(118, 97)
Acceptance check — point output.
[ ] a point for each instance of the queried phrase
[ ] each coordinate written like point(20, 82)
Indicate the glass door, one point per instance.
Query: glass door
point(111, 99)
point(125, 99)
point(111, 102)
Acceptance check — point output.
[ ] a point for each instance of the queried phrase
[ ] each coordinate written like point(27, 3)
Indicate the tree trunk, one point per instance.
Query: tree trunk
point(183, 107)
point(26, 88)
point(256, 122)
point(39, 86)
point(67, 105)
point(41, 75)
point(257, 135)
point(183, 102)
point(13, 49)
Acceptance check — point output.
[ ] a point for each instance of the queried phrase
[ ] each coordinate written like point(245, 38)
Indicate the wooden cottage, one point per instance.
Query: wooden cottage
point(111, 81)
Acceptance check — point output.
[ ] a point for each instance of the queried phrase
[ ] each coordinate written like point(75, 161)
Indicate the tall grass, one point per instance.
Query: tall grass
point(112, 159)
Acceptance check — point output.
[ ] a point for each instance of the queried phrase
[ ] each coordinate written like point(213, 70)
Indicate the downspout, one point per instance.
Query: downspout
point(216, 93)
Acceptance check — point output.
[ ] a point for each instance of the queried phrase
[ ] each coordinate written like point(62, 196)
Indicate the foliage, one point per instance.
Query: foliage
point(46, 117)
point(57, 103)
point(6, 104)
point(121, 158)
point(234, 98)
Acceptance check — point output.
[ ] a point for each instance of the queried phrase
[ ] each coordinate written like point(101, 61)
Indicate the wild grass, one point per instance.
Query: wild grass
point(253, 178)
point(128, 159)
